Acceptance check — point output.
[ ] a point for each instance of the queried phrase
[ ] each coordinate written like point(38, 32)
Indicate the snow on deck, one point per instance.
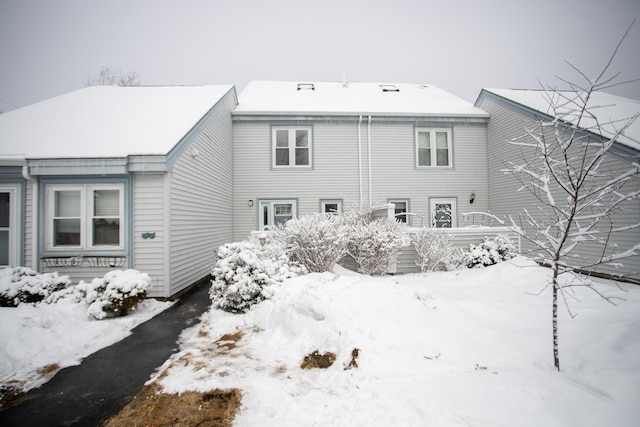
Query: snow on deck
point(334, 98)
point(611, 111)
point(107, 121)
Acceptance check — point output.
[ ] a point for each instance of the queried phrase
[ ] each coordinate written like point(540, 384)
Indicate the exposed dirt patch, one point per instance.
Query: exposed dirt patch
point(228, 341)
point(354, 362)
point(317, 360)
point(10, 395)
point(152, 408)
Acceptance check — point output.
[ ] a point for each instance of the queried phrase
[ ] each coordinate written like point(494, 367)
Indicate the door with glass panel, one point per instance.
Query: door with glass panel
point(8, 226)
point(275, 212)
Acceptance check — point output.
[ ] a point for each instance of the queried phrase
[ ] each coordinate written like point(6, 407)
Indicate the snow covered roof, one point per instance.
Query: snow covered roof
point(107, 121)
point(352, 99)
point(611, 111)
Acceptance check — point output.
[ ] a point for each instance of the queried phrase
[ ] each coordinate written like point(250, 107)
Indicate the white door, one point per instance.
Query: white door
point(275, 212)
point(9, 203)
point(443, 213)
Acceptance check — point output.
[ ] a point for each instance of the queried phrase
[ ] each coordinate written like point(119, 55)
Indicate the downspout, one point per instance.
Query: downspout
point(34, 217)
point(360, 157)
point(369, 157)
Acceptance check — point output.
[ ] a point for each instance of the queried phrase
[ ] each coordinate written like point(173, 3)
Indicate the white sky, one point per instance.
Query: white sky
point(51, 47)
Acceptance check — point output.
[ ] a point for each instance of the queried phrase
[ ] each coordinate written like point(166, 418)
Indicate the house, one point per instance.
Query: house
point(305, 147)
point(514, 110)
point(119, 177)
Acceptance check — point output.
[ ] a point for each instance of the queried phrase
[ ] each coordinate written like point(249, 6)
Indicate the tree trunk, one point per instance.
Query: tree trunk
point(556, 357)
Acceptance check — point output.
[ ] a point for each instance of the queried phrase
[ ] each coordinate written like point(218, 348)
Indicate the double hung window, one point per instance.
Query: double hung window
point(85, 216)
point(291, 147)
point(433, 148)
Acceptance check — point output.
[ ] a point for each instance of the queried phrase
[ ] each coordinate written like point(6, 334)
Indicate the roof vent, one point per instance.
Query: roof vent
point(389, 88)
point(306, 86)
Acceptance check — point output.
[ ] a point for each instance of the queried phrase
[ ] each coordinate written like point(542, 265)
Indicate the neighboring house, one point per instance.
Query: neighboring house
point(119, 177)
point(513, 110)
point(301, 148)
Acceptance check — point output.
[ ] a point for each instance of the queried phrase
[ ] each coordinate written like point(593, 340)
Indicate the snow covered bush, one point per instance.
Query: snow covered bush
point(490, 252)
point(373, 244)
point(24, 285)
point(434, 250)
point(246, 273)
point(115, 294)
point(316, 241)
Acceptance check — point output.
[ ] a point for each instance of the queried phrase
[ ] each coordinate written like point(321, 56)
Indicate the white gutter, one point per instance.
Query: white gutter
point(360, 157)
point(369, 156)
point(34, 217)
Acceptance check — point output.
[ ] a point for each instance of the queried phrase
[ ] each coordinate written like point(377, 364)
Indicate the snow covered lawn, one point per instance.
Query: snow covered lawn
point(471, 348)
point(35, 342)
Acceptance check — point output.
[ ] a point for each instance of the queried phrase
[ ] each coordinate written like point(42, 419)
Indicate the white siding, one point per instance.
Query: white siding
point(148, 217)
point(336, 173)
point(506, 124)
point(28, 226)
point(201, 200)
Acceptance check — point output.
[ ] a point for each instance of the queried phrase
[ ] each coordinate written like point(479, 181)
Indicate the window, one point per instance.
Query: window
point(443, 213)
point(276, 212)
point(433, 147)
point(401, 210)
point(85, 216)
point(291, 147)
point(331, 206)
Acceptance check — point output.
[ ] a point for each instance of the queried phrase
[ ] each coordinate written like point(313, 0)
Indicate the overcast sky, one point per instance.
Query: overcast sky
point(51, 47)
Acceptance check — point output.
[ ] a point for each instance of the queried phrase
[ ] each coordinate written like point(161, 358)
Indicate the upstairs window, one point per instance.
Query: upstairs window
point(433, 147)
point(291, 147)
point(85, 217)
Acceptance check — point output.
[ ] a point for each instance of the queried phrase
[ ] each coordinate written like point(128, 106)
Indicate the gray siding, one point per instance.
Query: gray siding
point(201, 199)
point(508, 123)
point(335, 171)
point(28, 226)
point(148, 217)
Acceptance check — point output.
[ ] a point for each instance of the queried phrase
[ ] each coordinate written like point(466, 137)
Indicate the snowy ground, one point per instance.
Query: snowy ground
point(471, 348)
point(33, 338)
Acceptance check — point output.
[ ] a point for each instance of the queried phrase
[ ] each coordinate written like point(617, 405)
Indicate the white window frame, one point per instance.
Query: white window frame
point(433, 148)
point(325, 202)
point(271, 214)
point(406, 212)
point(440, 201)
point(291, 130)
point(14, 223)
point(86, 216)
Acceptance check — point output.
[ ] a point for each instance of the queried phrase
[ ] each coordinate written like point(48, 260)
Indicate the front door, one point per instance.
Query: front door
point(8, 226)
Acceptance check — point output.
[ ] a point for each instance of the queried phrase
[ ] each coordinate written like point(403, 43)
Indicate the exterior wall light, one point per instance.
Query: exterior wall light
point(472, 197)
point(250, 202)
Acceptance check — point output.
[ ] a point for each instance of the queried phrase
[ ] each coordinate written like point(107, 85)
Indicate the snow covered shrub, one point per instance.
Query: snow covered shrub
point(24, 285)
point(374, 244)
point(490, 252)
point(115, 294)
point(246, 273)
point(316, 241)
point(434, 250)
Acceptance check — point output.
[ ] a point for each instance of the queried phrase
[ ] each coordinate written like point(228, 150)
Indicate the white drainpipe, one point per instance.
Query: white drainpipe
point(360, 157)
point(369, 156)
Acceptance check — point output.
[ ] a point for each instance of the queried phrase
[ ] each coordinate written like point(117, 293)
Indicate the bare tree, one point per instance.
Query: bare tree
point(108, 77)
point(566, 167)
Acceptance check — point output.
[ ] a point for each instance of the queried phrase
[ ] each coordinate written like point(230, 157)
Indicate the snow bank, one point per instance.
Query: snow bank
point(447, 348)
